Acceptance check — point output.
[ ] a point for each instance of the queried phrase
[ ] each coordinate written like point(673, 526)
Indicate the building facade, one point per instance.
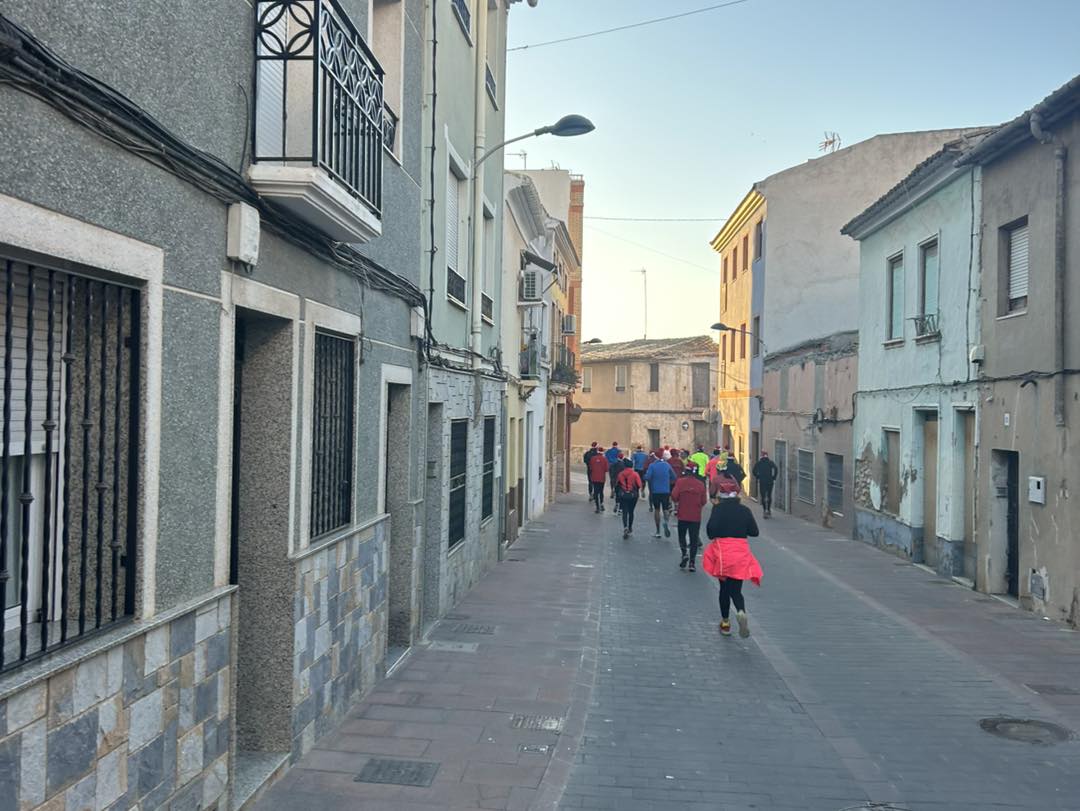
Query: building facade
point(212, 311)
point(647, 392)
point(803, 302)
point(918, 404)
point(1027, 519)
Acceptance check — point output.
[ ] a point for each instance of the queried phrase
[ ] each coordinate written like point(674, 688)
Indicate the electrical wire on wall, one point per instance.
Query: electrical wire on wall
point(30, 67)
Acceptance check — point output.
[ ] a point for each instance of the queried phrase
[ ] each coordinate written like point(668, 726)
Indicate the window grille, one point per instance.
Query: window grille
point(69, 470)
point(459, 444)
point(834, 480)
point(654, 377)
point(806, 475)
point(332, 433)
point(488, 493)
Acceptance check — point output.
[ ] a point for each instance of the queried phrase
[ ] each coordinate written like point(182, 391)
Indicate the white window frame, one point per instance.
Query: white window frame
point(1009, 231)
point(27, 227)
point(457, 172)
point(621, 371)
point(935, 243)
point(490, 237)
point(586, 379)
point(890, 296)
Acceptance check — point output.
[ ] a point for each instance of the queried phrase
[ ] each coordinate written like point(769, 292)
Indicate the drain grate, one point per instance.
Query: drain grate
point(541, 723)
point(417, 773)
point(1054, 689)
point(454, 647)
point(534, 748)
point(471, 628)
point(514, 560)
point(1026, 730)
point(455, 616)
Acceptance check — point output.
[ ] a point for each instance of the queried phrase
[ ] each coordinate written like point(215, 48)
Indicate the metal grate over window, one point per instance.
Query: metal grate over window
point(332, 433)
point(68, 457)
point(459, 445)
point(806, 475)
point(488, 495)
point(834, 481)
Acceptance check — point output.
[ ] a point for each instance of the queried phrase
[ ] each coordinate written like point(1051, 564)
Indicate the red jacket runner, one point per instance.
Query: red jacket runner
point(598, 468)
point(690, 496)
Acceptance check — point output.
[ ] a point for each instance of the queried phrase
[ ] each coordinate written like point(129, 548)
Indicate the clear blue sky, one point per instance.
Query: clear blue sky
point(690, 113)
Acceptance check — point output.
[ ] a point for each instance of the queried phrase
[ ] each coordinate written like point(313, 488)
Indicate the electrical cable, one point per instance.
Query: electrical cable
point(658, 219)
point(653, 21)
point(647, 248)
point(30, 67)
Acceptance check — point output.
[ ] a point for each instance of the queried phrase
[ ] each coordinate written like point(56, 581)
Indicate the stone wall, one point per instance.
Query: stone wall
point(340, 640)
point(143, 722)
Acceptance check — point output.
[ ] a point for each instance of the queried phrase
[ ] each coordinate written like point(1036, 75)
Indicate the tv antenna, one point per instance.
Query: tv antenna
point(831, 143)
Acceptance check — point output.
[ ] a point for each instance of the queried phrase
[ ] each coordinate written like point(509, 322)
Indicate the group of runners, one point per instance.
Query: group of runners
point(680, 483)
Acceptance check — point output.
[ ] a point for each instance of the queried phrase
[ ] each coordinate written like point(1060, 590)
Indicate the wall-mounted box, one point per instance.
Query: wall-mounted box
point(1037, 489)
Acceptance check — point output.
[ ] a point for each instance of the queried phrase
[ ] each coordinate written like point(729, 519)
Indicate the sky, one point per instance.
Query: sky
point(690, 113)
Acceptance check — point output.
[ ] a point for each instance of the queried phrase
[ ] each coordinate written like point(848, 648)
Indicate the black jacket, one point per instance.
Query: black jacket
point(765, 470)
point(735, 470)
point(589, 454)
point(730, 519)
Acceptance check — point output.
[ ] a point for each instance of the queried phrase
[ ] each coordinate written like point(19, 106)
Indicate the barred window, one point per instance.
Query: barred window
point(834, 480)
point(332, 433)
point(459, 446)
point(488, 499)
point(69, 450)
point(806, 475)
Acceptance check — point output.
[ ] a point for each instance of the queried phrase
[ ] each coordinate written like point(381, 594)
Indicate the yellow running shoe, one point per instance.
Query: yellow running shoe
point(725, 628)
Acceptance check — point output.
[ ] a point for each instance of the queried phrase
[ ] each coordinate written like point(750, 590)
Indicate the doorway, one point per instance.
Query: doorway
point(530, 419)
point(654, 439)
point(780, 454)
point(1003, 565)
point(755, 454)
point(401, 593)
point(967, 487)
point(929, 487)
point(260, 532)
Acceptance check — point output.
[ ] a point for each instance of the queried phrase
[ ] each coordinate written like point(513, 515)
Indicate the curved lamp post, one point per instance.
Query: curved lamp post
point(722, 327)
point(566, 127)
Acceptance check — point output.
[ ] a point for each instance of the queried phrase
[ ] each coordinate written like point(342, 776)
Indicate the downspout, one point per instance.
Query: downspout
point(1060, 155)
point(480, 125)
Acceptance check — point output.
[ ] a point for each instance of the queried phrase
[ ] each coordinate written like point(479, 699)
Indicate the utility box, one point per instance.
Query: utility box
point(242, 234)
point(1037, 489)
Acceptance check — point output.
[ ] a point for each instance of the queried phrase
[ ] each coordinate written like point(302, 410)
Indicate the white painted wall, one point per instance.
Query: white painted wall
point(553, 186)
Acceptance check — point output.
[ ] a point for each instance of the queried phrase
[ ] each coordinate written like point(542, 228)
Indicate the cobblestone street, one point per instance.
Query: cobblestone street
point(865, 679)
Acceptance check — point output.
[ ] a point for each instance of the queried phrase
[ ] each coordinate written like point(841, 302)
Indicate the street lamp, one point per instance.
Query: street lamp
point(566, 127)
point(594, 341)
point(722, 327)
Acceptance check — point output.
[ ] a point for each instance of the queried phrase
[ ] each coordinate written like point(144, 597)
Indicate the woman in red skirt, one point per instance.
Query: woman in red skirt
point(728, 558)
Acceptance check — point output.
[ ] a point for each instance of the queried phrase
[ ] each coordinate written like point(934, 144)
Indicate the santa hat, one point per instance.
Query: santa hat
point(727, 487)
point(594, 444)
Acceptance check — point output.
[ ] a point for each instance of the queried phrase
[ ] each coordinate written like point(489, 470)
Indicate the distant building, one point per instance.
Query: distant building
point(801, 313)
point(649, 393)
point(917, 400)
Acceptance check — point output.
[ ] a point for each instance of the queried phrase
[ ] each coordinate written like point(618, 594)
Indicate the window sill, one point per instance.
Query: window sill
point(1015, 314)
point(893, 343)
point(392, 155)
point(461, 304)
point(804, 500)
point(928, 338)
point(620, 388)
point(487, 320)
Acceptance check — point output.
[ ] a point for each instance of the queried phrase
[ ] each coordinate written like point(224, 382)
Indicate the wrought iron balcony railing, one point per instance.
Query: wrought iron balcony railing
point(389, 128)
point(926, 325)
point(529, 365)
point(319, 95)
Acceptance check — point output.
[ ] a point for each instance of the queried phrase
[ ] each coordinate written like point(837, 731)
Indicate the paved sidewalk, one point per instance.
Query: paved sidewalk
point(865, 679)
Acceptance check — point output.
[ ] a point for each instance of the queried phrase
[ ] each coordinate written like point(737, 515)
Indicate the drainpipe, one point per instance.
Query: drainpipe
point(479, 114)
point(1060, 155)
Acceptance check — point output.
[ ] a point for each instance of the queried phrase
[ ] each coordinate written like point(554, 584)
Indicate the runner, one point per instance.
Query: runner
point(639, 456)
point(728, 558)
point(714, 462)
point(689, 496)
point(598, 470)
point(589, 454)
point(734, 469)
point(676, 461)
point(765, 471)
point(621, 462)
point(700, 460)
point(660, 477)
point(628, 485)
point(612, 456)
point(652, 458)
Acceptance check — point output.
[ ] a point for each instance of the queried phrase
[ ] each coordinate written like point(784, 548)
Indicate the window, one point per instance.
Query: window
point(487, 301)
point(723, 347)
point(928, 278)
point(723, 288)
point(586, 378)
point(455, 205)
point(890, 501)
point(332, 433)
point(895, 298)
point(759, 239)
point(487, 499)
point(805, 460)
point(745, 251)
point(732, 345)
point(69, 551)
point(464, 17)
point(654, 377)
point(755, 337)
point(699, 385)
point(742, 342)
point(834, 482)
point(654, 439)
point(1016, 266)
point(387, 41)
point(459, 445)
point(734, 263)
point(620, 378)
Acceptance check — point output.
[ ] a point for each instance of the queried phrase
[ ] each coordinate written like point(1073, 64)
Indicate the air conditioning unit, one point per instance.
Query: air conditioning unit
point(530, 285)
point(569, 325)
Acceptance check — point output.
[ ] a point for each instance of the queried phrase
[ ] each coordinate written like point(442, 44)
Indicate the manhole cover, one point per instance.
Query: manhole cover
point(534, 748)
point(455, 647)
point(1025, 730)
point(398, 772)
point(471, 628)
point(543, 723)
point(1054, 689)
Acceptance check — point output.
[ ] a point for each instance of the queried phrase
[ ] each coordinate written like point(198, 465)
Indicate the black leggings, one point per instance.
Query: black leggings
point(626, 507)
point(765, 489)
point(731, 592)
point(597, 493)
point(693, 529)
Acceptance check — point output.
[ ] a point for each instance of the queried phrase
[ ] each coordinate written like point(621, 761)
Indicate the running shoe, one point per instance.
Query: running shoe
point(744, 624)
point(683, 562)
point(725, 628)
point(656, 535)
point(667, 529)
point(692, 567)
point(625, 533)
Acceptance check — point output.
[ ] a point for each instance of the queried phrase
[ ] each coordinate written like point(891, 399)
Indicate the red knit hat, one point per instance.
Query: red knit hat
point(727, 487)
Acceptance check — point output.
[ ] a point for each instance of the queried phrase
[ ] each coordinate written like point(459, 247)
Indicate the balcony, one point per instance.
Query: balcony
point(389, 128)
point(320, 122)
point(529, 363)
point(926, 327)
point(563, 373)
